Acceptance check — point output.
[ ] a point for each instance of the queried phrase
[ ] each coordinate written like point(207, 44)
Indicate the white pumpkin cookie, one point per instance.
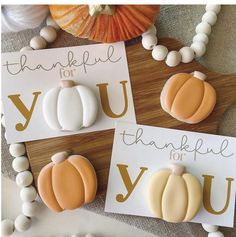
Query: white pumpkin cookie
point(70, 107)
point(174, 195)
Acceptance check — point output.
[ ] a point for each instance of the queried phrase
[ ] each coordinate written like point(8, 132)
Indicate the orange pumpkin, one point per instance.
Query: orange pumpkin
point(105, 23)
point(188, 98)
point(67, 182)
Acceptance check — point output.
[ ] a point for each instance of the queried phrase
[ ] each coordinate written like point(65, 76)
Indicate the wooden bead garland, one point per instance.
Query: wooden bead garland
point(185, 54)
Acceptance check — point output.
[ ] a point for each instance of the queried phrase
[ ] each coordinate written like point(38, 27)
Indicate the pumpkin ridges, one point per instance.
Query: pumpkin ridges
point(45, 188)
point(206, 104)
point(62, 8)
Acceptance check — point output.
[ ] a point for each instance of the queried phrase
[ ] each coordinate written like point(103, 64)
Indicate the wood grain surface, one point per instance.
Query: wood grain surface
point(147, 79)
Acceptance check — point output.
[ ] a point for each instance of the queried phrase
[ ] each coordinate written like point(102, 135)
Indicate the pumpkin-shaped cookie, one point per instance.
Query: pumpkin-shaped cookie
point(188, 98)
point(70, 107)
point(67, 182)
point(174, 195)
point(105, 23)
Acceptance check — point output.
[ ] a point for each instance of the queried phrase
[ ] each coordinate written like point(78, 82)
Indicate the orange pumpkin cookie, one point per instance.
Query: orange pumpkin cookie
point(67, 182)
point(105, 23)
point(174, 195)
point(188, 98)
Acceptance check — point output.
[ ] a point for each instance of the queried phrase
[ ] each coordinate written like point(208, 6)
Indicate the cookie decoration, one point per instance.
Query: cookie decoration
point(67, 182)
point(188, 98)
point(174, 195)
point(70, 107)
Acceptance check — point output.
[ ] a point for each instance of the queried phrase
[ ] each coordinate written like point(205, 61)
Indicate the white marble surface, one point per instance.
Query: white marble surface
point(48, 224)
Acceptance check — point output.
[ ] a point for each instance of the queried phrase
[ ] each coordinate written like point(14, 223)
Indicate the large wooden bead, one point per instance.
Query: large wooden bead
point(70, 107)
point(20, 164)
point(213, 7)
point(216, 234)
point(17, 149)
point(38, 42)
point(3, 121)
point(22, 223)
point(152, 30)
point(149, 41)
point(51, 22)
point(48, 33)
point(30, 209)
point(210, 228)
point(7, 228)
point(24, 179)
point(199, 48)
point(28, 194)
point(203, 27)
point(159, 52)
point(77, 185)
point(201, 37)
point(188, 98)
point(173, 58)
point(174, 195)
point(210, 17)
point(26, 48)
point(187, 54)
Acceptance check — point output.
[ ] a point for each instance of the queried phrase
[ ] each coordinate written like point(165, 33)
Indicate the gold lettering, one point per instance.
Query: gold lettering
point(207, 195)
point(23, 110)
point(127, 181)
point(105, 100)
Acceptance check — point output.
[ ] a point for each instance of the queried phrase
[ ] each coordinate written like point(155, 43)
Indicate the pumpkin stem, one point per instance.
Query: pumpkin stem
point(199, 75)
point(67, 83)
point(98, 9)
point(178, 169)
point(59, 157)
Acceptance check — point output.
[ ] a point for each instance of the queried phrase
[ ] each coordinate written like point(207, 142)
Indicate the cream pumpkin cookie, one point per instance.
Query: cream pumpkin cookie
point(188, 98)
point(67, 182)
point(174, 195)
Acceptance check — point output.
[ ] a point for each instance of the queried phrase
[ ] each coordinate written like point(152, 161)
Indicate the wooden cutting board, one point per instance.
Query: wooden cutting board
point(147, 78)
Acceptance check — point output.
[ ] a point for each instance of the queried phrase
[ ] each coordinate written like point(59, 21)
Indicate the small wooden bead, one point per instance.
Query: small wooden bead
point(28, 194)
point(149, 41)
point(26, 48)
point(3, 121)
point(216, 234)
point(210, 17)
point(210, 228)
point(152, 30)
point(203, 27)
point(17, 149)
point(201, 37)
point(22, 223)
point(48, 33)
point(30, 209)
point(199, 48)
point(38, 42)
point(213, 7)
point(7, 228)
point(20, 164)
point(159, 52)
point(187, 54)
point(24, 179)
point(51, 22)
point(173, 58)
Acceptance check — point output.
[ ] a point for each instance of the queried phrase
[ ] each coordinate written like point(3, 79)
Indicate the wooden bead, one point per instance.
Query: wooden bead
point(159, 52)
point(187, 54)
point(199, 48)
point(203, 27)
point(7, 228)
point(210, 17)
point(30, 209)
point(17, 149)
point(3, 121)
point(173, 58)
point(26, 48)
point(216, 234)
point(51, 22)
point(48, 33)
point(213, 7)
point(201, 37)
point(28, 194)
point(149, 41)
point(210, 228)
point(24, 179)
point(22, 223)
point(152, 30)
point(20, 164)
point(38, 42)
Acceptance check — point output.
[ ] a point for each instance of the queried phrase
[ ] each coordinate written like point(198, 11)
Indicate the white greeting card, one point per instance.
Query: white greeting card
point(28, 75)
point(139, 151)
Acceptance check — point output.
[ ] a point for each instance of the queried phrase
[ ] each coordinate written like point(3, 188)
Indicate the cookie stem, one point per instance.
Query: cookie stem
point(178, 169)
